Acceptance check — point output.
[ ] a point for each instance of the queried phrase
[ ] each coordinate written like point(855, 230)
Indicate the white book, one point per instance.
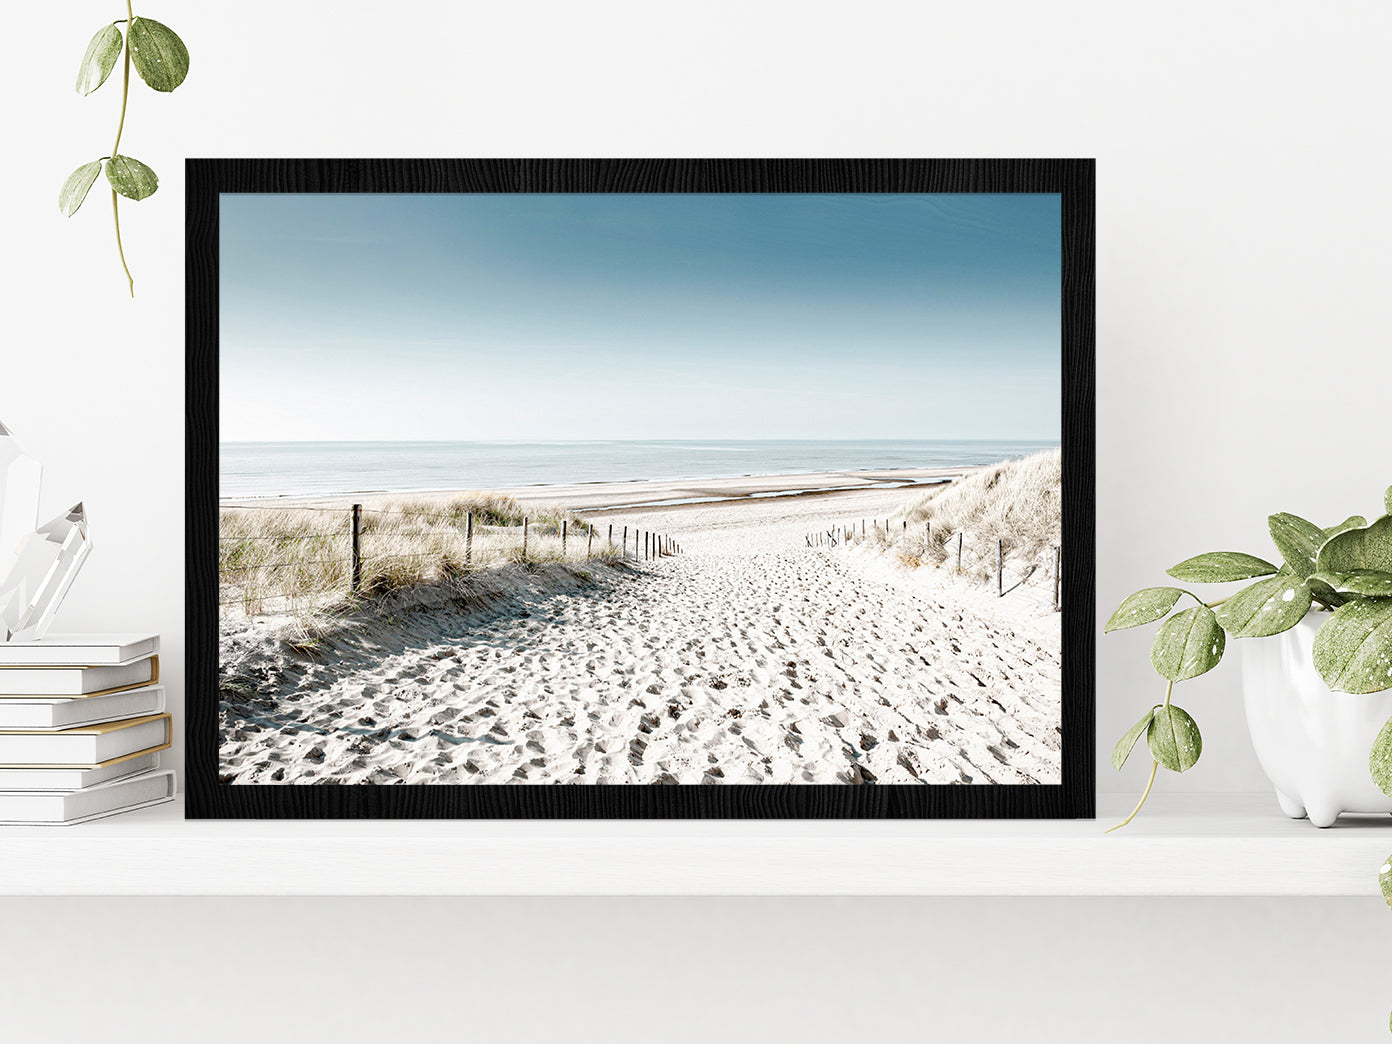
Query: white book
point(60, 778)
point(64, 808)
point(79, 650)
point(77, 681)
point(87, 746)
point(58, 713)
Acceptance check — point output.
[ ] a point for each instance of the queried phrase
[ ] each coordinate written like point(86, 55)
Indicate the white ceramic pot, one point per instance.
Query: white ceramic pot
point(1312, 742)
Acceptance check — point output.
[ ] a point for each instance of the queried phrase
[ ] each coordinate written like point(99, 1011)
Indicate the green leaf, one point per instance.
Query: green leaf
point(1320, 589)
point(1188, 644)
point(130, 177)
point(1352, 522)
point(1173, 738)
point(1380, 765)
point(1366, 583)
point(1122, 750)
point(1219, 567)
point(1267, 607)
point(1385, 877)
point(1353, 650)
point(99, 60)
point(1298, 541)
point(1359, 548)
point(74, 190)
point(1387, 500)
point(159, 55)
point(1143, 607)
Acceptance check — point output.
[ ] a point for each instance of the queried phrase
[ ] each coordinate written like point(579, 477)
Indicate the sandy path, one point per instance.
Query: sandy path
point(743, 661)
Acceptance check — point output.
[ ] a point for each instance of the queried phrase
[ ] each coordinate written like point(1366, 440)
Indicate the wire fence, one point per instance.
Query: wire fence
point(275, 553)
point(992, 559)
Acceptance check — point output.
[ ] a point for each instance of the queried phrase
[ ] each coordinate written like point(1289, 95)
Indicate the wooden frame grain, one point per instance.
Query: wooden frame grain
point(1073, 179)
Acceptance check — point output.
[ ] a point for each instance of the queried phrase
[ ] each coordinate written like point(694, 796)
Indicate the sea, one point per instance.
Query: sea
point(274, 469)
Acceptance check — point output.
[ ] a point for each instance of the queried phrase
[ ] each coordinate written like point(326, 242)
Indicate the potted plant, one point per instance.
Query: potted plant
point(1318, 691)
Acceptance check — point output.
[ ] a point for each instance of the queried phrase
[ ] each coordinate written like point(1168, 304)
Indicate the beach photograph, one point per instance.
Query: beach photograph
point(688, 489)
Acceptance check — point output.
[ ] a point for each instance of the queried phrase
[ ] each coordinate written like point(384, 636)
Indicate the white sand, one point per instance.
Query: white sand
point(749, 659)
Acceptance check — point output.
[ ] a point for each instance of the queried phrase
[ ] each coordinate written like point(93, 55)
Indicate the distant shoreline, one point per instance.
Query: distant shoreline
point(274, 471)
point(630, 494)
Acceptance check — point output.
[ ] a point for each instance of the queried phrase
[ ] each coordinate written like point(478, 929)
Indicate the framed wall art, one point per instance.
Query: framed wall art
point(640, 488)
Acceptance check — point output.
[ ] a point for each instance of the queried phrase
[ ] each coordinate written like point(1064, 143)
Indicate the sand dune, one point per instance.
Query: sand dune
point(749, 659)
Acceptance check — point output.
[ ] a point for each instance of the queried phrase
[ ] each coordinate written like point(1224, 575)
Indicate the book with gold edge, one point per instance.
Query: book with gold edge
point(88, 745)
point(77, 681)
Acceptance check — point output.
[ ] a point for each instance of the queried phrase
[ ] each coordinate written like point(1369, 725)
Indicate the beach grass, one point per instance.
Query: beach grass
point(294, 558)
point(1018, 502)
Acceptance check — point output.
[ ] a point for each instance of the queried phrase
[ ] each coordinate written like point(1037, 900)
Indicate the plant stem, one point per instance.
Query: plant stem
point(116, 214)
point(1154, 767)
point(125, 95)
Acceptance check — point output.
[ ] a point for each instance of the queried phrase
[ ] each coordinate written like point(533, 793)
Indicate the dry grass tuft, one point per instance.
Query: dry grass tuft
point(298, 560)
point(1018, 502)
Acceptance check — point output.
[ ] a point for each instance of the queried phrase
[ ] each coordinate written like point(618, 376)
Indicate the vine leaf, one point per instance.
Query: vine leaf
point(130, 177)
point(160, 57)
point(99, 60)
point(1366, 583)
point(1218, 567)
point(1380, 765)
point(1385, 879)
point(1319, 588)
point(1143, 607)
point(1173, 738)
point(1298, 541)
point(1122, 750)
point(1387, 500)
point(1353, 650)
point(1267, 607)
point(1352, 522)
point(75, 189)
point(1368, 547)
point(1188, 644)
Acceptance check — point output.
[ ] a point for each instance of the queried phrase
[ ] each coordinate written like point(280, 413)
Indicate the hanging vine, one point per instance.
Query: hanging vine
point(162, 61)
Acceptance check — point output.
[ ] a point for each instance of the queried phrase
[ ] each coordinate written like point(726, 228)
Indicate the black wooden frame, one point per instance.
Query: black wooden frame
point(207, 178)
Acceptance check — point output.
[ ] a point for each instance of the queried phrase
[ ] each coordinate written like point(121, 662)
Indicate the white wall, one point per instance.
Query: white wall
point(1242, 219)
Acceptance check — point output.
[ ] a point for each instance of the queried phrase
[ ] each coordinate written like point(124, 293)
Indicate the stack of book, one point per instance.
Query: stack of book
point(82, 724)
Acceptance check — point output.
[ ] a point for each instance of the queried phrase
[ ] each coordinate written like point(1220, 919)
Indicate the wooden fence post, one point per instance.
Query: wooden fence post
point(1000, 569)
point(524, 538)
point(469, 540)
point(611, 534)
point(356, 581)
point(624, 554)
point(1057, 561)
point(646, 537)
point(959, 551)
point(589, 544)
point(564, 524)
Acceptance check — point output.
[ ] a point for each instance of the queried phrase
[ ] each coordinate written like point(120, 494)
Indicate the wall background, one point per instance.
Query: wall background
point(1242, 267)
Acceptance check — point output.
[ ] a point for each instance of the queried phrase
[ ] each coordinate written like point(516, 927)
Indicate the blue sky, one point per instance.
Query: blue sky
point(605, 316)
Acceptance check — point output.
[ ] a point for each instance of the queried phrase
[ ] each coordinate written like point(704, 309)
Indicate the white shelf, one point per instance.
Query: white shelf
point(1211, 845)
